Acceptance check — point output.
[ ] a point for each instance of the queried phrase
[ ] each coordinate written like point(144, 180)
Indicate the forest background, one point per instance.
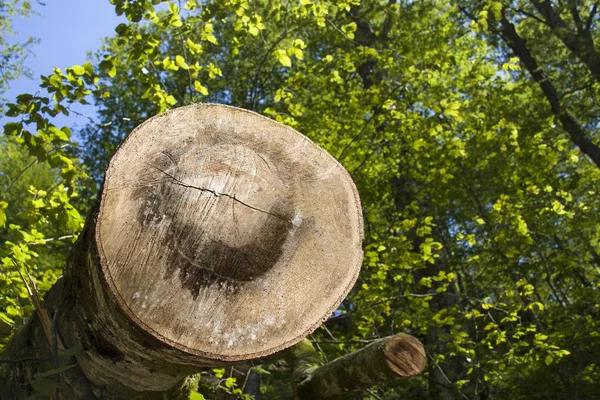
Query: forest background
point(469, 126)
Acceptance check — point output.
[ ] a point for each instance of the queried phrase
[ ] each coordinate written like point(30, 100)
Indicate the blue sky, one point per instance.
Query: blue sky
point(68, 30)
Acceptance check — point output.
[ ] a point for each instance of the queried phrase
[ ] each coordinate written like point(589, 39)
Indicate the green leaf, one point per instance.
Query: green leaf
point(176, 22)
point(37, 203)
point(349, 29)
point(229, 382)
point(196, 396)
point(180, 61)
point(261, 370)
point(12, 128)
point(4, 318)
point(191, 5)
point(3, 206)
point(195, 48)
point(283, 58)
point(122, 29)
point(210, 38)
point(548, 359)
point(78, 70)
point(24, 98)
point(12, 311)
point(60, 134)
point(200, 88)
point(285, 61)
point(219, 372)
point(66, 131)
point(88, 68)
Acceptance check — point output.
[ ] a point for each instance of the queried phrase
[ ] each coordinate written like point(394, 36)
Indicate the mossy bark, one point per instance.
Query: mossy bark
point(113, 358)
point(390, 358)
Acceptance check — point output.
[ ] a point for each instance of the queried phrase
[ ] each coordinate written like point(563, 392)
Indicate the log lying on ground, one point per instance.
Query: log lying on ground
point(219, 236)
point(390, 358)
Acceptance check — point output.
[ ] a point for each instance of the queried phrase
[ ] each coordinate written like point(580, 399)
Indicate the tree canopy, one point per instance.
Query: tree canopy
point(469, 127)
point(13, 54)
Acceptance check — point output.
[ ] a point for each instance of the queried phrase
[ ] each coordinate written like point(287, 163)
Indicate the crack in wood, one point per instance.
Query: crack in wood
point(217, 194)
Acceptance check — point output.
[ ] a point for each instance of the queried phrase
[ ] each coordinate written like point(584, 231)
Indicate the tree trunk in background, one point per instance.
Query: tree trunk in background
point(220, 236)
point(574, 129)
point(578, 39)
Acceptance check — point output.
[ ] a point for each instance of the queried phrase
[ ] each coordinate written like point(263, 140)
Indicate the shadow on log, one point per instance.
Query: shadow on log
point(390, 358)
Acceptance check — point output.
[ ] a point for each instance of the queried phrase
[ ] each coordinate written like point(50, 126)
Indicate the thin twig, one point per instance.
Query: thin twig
point(343, 34)
point(359, 134)
point(27, 359)
point(333, 337)
point(254, 97)
point(375, 113)
point(52, 239)
point(21, 173)
point(312, 339)
point(32, 292)
point(344, 341)
point(530, 15)
point(452, 385)
point(243, 388)
point(373, 394)
point(83, 115)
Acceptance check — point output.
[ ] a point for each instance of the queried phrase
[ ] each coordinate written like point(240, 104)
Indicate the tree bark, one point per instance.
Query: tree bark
point(390, 358)
point(219, 236)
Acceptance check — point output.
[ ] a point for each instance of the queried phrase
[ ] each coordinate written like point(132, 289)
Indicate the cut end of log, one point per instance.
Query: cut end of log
point(226, 234)
point(405, 356)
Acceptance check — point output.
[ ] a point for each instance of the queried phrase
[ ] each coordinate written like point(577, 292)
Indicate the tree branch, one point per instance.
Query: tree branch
point(575, 14)
point(578, 135)
point(530, 15)
point(593, 11)
point(390, 358)
point(579, 42)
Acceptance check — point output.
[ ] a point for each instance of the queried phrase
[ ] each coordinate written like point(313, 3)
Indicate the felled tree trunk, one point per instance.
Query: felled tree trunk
point(390, 358)
point(219, 236)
